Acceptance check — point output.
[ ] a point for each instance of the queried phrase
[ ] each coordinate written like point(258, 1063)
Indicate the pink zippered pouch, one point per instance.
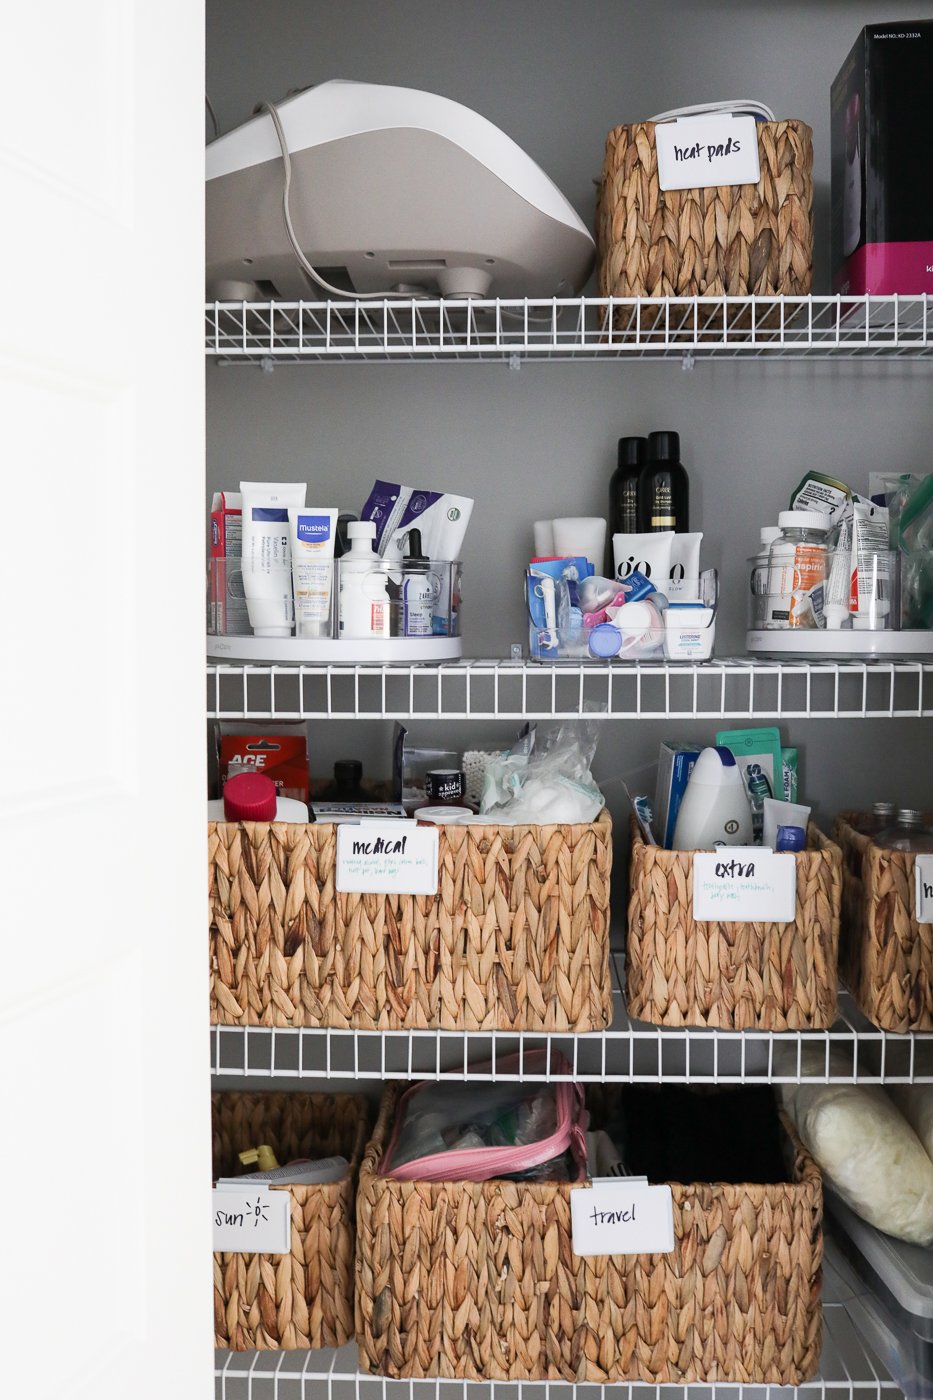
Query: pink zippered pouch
point(566, 1128)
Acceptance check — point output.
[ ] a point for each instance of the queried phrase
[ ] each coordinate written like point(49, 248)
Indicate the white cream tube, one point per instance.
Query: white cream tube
point(267, 565)
point(650, 554)
point(836, 607)
point(311, 536)
point(685, 567)
point(777, 813)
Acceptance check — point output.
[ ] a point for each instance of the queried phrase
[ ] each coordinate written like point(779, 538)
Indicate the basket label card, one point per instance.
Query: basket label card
point(744, 884)
point(625, 1216)
point(923, 873)
point(251, 1219)
point(695, 153)
point(395, 857)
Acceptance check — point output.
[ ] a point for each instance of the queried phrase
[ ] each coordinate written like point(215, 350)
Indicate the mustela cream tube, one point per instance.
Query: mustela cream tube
point(311, 537)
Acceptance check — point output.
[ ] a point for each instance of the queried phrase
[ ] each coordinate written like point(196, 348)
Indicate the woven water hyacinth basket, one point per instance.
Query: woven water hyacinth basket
point(478, 1281)
point(303, 1298)
point(516, 938)
point(886, 955)
point(735, 240)
point(772, 976)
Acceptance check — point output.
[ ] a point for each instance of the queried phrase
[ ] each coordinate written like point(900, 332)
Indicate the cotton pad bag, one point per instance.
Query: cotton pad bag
point(870, 1155)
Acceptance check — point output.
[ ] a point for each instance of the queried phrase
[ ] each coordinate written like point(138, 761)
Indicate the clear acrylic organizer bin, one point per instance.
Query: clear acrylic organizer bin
point(380, 613)
point(679, 628)
point(811, 612)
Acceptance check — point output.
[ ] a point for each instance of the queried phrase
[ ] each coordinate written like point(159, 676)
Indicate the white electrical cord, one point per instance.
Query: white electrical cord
point(273, 111)
point(271, 108)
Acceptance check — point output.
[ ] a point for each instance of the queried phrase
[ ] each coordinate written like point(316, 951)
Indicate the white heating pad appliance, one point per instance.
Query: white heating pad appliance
point(394, 192)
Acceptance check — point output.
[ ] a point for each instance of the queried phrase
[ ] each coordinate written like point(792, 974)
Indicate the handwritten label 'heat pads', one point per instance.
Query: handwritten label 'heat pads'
point(622, 1217)
point(697, 153)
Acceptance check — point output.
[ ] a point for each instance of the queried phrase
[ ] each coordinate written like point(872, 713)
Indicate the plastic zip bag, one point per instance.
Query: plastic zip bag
point(474, 1132)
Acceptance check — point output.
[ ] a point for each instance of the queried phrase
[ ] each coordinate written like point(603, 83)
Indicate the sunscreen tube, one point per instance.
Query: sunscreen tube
point(267, 565)
point(781, 814)
point(685, 566)
point(649, 554)
point(311, 537)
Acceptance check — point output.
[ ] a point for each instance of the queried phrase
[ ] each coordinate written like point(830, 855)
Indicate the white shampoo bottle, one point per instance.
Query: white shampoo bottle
point(715, 809)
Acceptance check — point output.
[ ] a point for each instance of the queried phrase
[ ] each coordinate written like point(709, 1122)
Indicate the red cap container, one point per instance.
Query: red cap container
point(249, 797)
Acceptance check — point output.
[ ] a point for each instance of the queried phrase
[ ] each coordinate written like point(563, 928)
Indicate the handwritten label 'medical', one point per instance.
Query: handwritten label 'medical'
point(396, 857)
point(622, 1217)
point(696, 153)
point(744, 884)
point(923, 873)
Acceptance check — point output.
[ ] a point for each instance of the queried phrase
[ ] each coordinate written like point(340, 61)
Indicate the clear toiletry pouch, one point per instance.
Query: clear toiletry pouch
point(475, 1132)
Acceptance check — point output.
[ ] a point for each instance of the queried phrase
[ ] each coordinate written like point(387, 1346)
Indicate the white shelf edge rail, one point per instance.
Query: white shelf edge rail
point(630, 1052)
point(847, 1370)
point(595, 328)
point(516, 690)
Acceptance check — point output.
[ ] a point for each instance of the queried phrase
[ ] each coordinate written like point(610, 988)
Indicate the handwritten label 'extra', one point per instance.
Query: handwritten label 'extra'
point(395, 857)
point(695, 153)
point(622, 1217)
point(744, 884)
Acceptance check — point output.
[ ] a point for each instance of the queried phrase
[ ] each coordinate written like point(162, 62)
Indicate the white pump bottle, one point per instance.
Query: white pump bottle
point(715, 810)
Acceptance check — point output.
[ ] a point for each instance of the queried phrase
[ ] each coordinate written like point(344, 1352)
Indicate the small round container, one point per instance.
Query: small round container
point(445, 785)
point(641, 625)
point(441, 816)
point(605, 640)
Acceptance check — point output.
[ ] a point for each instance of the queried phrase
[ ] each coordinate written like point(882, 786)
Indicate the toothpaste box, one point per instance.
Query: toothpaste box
point(675, 764)
point(227, 601)
point(881, 135)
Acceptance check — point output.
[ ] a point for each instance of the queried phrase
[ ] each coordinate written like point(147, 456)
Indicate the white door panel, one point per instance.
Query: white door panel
point(105, 1289)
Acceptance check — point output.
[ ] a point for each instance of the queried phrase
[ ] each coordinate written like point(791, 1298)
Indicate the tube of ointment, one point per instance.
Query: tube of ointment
point(267, 561)
point(781, 814)
point(311, 536)
point(649, 554)
point(685, 566)
point(836, 602)
point(870, 599)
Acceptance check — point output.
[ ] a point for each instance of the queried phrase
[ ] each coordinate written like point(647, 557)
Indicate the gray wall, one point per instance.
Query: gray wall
point(539, 440)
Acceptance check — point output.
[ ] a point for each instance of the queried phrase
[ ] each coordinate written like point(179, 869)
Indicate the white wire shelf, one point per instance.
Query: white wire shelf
point(848, 1371)
point(519, 690)
point(629, 1052)
point(580, 328)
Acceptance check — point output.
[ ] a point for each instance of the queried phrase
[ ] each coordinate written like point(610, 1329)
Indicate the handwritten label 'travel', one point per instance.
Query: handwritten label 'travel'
point(622, 1217)
point(923, 873)
point(396, 857)
point(251, 1219)
point(698, 152)
point(744, 884)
